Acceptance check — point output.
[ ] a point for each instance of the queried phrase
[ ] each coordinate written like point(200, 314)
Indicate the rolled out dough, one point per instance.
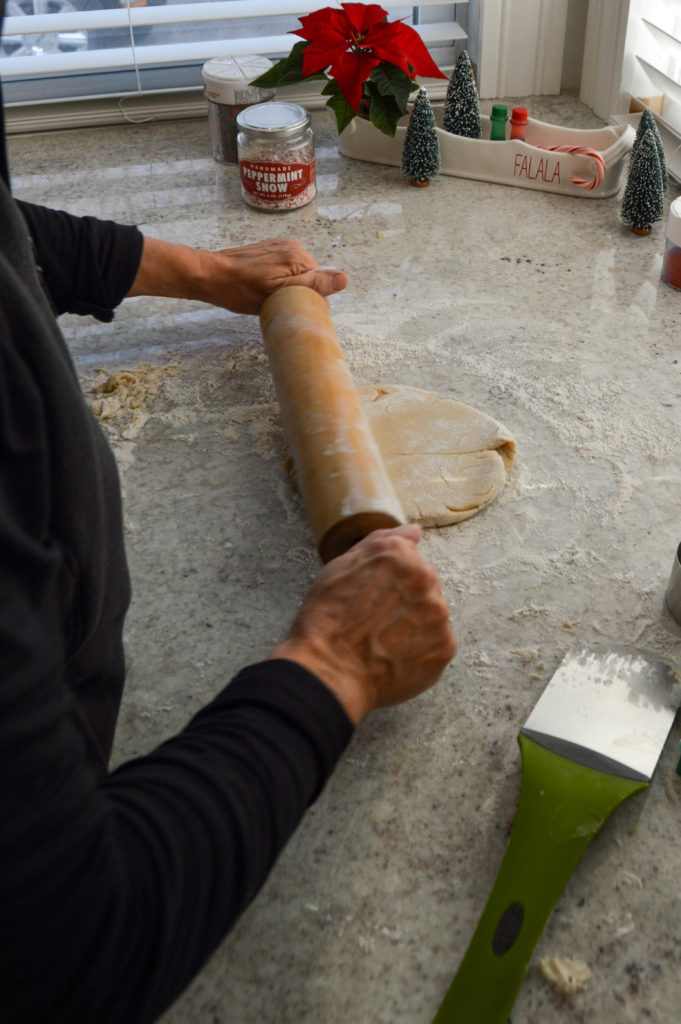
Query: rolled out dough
point(446, 460)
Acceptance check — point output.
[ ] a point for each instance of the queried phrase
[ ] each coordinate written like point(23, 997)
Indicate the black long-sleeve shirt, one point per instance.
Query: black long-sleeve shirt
point(114, 889)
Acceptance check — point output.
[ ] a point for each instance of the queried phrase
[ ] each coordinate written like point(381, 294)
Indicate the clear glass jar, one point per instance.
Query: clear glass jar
point(276, 156)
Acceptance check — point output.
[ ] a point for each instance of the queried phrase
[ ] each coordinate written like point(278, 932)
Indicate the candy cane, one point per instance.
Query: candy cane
point(584, 151)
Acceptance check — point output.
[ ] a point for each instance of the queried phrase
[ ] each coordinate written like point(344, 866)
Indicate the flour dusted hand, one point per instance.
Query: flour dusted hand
point(238, 279)
point(374, 627)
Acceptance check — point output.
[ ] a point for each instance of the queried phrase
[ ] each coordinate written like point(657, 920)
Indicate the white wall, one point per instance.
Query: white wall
point(518, 45)
point(573, 51)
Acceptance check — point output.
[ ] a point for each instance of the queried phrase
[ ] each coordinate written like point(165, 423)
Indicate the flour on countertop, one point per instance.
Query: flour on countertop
point(124, 395)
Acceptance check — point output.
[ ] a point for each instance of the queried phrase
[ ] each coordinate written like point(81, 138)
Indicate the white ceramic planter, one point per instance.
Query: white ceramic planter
point(528, 164)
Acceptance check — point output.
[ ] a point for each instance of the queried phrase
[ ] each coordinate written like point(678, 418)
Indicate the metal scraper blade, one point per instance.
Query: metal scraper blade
point(609, 708)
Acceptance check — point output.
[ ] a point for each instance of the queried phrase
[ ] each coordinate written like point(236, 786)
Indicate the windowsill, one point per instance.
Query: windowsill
point(138, 108)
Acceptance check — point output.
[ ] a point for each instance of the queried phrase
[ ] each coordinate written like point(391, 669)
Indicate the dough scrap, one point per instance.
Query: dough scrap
point(125, 392)
point(446, 460)
point(565, 975)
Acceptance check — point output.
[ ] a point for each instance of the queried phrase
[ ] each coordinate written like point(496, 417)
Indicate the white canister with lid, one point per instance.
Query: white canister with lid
point(226, 87)
point(276, 156)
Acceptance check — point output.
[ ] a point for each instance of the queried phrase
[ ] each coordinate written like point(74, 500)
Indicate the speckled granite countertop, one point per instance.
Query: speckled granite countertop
point(541, 310)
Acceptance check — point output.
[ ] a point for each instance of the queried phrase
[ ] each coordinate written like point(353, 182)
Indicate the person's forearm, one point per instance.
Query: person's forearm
point(170, 270)
point(238, 279)
point(135, 883)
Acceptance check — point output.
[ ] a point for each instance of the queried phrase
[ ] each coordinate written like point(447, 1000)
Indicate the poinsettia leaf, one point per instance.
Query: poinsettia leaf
point(400, 44)
point(270, 78)
point(351, 71)
point(322, 52)
point(391, 81)
point(384, 111)
point(286, 71)
point(312, 26)
point(363, 17)
point(331, 88)
point(341, 108)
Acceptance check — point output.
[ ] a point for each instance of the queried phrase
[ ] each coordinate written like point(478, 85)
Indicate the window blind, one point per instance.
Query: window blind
point(651, 70)
point(54, 49)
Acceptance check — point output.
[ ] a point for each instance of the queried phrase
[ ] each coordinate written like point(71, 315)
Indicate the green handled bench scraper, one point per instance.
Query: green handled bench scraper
point(592, 741)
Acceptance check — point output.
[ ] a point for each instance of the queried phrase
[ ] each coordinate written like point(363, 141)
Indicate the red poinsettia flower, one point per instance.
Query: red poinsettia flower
point(352, 41)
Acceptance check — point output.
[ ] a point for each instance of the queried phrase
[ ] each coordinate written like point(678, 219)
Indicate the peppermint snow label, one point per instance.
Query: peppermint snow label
point(275, 182)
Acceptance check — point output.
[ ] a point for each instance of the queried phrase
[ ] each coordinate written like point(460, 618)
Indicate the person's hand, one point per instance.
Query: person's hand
point(237, 279)
point(374, 627)
point(241, 279)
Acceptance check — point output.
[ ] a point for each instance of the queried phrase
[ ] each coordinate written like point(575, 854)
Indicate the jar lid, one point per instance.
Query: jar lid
point(273, 120)
point(674, 222)
point(226, 79)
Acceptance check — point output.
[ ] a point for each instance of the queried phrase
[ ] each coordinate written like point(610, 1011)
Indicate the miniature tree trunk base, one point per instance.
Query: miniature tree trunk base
point(420, 184)
point(643, 231)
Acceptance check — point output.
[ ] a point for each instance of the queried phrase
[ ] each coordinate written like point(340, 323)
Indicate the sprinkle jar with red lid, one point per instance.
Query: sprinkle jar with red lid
point(518, 123)
point(276, 156)
point(671, 264)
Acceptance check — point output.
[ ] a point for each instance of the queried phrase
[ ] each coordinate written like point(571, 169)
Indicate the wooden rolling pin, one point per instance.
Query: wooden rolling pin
point(345, 487)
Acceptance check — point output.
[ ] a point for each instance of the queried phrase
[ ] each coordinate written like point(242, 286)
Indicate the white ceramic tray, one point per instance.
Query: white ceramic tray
point(529, 164)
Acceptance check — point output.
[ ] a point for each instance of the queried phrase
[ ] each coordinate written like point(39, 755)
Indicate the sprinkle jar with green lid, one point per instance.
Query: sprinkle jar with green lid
point(276, 156)
point(497, 120)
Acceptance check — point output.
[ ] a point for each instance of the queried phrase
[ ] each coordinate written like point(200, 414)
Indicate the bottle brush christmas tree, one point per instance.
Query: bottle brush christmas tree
point(461, 113)
point(643, 201)
point(648, 123)
point(421, 152)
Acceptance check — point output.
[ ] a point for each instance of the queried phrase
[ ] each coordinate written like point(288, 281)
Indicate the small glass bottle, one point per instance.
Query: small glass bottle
point(276, 156)
point(671, 264)
point(498, 119)
point(518, 123)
